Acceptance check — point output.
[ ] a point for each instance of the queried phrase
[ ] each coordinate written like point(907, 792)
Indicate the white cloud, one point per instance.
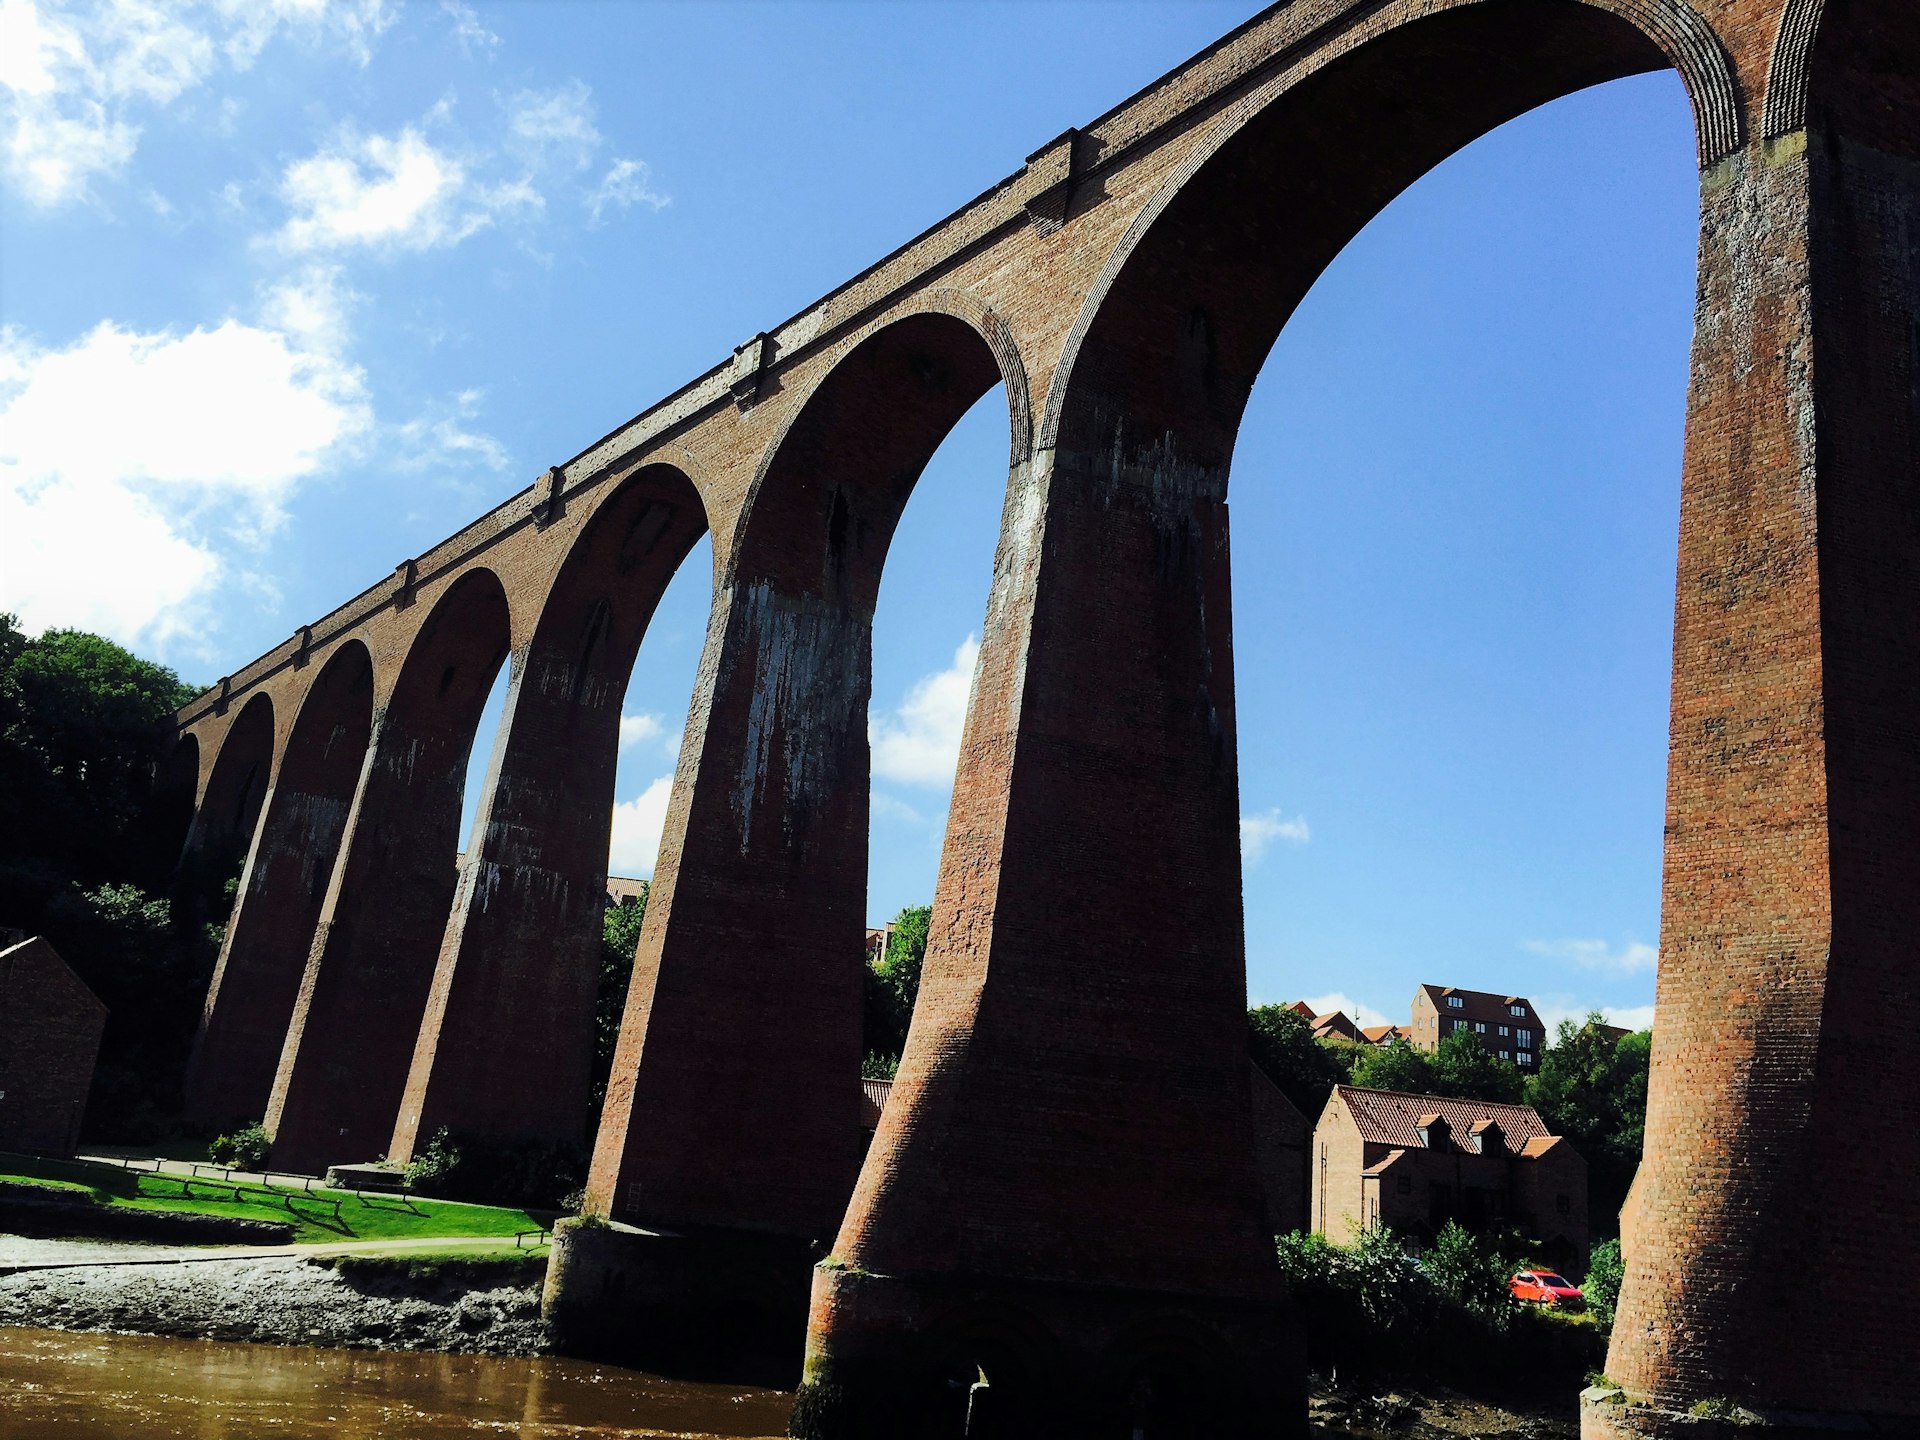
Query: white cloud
point(883, 806)
point(556, 122)
point(78, 79)
point(1362, 1015)
point(637, 824)
point(130, 462)
point(375, 190)
point(625, 185)
point(356, 24)
point(919, 744)
point(438, 439)
point(398, 192)
point(1258, 832)
point(1631, 958)
point(474, 37)
point(638, 729)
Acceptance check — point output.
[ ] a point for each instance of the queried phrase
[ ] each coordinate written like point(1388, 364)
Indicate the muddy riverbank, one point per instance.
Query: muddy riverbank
point(476, 1308)
point(453, 1309)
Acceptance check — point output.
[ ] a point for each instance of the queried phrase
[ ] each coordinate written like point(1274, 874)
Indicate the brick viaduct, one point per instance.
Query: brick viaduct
point(1061, 1193)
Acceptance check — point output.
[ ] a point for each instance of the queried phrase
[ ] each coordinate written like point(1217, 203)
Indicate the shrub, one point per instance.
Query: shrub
point(245, 1149)
point(879, 1067)
point(1370, 1308)
point(1602, 1285)
point(432, 1168)
point(534, 1174)
point(1472, 1271)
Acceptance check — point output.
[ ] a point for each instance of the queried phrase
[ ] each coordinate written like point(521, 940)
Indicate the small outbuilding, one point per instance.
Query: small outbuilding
point(1414, 1162)
point(50, 1025)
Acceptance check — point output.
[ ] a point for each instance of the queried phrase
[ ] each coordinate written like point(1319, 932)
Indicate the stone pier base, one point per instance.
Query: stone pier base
point(991, 1359)
point(726, 1306)
point(1609, 1413)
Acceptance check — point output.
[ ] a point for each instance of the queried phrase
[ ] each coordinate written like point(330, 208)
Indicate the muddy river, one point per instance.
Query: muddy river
point(139, 1387)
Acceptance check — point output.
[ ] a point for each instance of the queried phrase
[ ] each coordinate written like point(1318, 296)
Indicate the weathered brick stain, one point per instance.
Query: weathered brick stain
point(1072, 1109)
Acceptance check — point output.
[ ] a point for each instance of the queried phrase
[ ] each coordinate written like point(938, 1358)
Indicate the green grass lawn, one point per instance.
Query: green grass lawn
point(320, 1216)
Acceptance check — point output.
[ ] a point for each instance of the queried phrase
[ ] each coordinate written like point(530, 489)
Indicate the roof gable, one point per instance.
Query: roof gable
point(1479, 1005)
point(1391, 1117)
point(37, 959)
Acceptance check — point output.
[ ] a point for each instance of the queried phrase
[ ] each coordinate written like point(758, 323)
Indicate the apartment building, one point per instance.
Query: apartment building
point(1507, 1025)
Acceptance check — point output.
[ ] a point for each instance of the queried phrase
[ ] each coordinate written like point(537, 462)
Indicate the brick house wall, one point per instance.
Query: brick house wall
point(1371, 1167)
point(1280, 1144)
point(1507, 1025)
point(50, 1025)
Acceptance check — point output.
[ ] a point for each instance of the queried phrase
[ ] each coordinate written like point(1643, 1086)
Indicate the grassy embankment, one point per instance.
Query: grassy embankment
point(319, 1215)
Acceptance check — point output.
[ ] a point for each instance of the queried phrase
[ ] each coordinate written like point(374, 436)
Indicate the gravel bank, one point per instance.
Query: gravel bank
point(278, 1301)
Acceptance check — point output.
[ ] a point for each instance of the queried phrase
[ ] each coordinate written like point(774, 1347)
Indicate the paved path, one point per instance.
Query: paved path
point(18, 1253)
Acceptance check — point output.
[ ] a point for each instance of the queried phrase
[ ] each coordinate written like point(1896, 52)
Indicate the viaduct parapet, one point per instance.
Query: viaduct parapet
point(1061, 1197)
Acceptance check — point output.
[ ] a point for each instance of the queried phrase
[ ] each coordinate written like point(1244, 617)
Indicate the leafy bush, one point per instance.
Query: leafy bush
point(431, 1168)
point(1602, 1285)
point(1280, 1041)
point(619, 938)
point(532, 1174)
point(1368, 1308)
point(879, 1067)
point(1472, 1271)
point(891, 984)
point(244, 1149)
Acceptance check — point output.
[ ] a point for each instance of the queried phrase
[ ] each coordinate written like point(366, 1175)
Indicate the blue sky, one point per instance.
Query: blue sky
point(292, 289)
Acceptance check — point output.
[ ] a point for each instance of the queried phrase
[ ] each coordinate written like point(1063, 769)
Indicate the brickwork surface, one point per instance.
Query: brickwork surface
point(1073, 1109)
point(50, 1025)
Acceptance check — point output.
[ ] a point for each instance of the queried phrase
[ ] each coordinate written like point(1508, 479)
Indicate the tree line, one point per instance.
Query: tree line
point(88, 846)
point(1588, 1088)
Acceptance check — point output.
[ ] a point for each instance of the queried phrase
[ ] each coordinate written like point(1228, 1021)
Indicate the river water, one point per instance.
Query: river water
point(60, 1386)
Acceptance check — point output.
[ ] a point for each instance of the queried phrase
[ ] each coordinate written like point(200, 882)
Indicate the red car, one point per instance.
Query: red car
point(1543, 1287)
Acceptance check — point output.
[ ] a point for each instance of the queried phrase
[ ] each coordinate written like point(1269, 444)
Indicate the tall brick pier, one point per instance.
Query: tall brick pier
point(1057, 1230)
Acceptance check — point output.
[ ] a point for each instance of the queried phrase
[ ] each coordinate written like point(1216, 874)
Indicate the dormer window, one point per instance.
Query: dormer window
point(1433, 1131)
point(1517, 1010)
point(1487, 1137)
point(1456, 1002)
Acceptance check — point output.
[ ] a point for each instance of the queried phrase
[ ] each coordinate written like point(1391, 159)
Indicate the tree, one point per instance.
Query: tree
point(891, 985)
point(1601, 1288)
point(1465, 1069)
point(1397, 1066)
point(81, 734)
point(619, 938)
point(1594, 1091)
point(1281, 1043)
point(151, 972)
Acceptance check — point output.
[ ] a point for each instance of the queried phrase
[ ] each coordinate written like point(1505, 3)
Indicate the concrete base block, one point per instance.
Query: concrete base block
point(1609, 1413)
point(899, 1358)
point(726, 1306)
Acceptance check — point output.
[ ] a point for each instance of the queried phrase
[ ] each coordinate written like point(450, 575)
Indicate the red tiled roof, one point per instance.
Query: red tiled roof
point(1382, 1034)
point(1389, 1117)
point(873, 1099)
point(1334, 1022)
point(1480, 1005)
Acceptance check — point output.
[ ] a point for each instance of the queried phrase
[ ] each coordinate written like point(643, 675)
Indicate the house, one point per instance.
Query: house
point(1507, 1025)
point(50, 1025)
point(1414, 1162)
point(1334, 1025)
point(1279, 1146)
point(1280, 1139)
point(624, 888)
point(1386, 1034)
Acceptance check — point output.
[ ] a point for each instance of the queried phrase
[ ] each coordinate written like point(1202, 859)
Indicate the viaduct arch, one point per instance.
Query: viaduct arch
point(1124, 287)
